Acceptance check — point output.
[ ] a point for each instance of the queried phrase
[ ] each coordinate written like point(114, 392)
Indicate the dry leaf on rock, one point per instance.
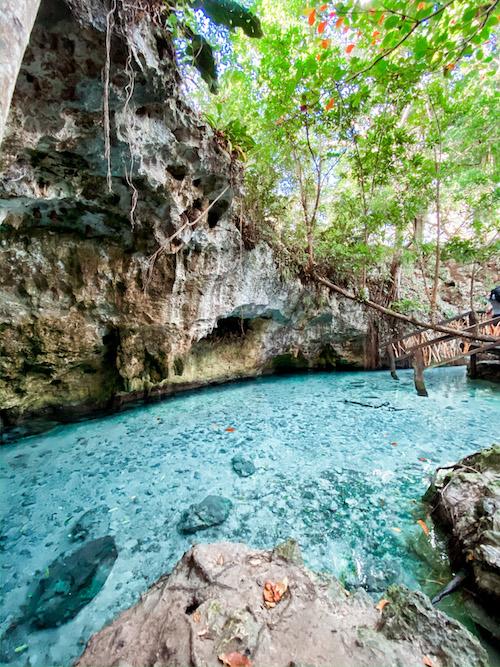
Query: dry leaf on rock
point(220, 560)
point(273, 592)
point(196, 617)
point(423, 526)
point(381, 604)
point(427, 661)
point(235, 659)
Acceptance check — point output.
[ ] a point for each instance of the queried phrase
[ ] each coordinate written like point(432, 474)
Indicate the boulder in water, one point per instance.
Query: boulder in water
point(91, 524)
point(212, 511)
point(70, 582)
point(242, 466)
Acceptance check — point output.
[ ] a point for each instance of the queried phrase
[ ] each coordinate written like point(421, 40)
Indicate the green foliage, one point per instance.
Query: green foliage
point(231, 14)
point(366, 108)
point(468, 251)
point(408, 306)
point(235, 133)
point(199, 51)
point(201, 56)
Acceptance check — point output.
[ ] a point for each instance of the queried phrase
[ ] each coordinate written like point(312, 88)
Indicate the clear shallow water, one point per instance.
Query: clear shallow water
point(342, 479)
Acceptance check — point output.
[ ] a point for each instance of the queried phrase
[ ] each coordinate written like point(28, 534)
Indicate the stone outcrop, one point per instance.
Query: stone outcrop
point(16, 20)
point(465, 501)
point(109, 295)
point(212, 605)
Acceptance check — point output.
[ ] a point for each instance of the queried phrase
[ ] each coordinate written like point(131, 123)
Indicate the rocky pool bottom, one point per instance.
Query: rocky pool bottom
point(337, 461)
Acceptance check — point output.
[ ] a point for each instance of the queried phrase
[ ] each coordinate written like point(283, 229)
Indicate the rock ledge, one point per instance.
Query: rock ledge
point(212, 603)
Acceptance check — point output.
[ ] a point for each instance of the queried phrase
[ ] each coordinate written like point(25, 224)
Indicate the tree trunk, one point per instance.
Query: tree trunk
point(418, 229)
point(16, 21)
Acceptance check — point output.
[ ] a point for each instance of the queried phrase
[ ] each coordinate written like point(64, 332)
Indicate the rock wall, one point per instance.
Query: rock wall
point(138, 282)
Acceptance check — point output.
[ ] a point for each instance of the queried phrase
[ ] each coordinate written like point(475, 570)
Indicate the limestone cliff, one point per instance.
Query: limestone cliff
point(110, 294)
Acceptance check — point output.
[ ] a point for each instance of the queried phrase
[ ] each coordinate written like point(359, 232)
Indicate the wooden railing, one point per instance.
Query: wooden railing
point(427, 348)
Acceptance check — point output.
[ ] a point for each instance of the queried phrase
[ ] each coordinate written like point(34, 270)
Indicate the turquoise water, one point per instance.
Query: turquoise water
point(343, 479)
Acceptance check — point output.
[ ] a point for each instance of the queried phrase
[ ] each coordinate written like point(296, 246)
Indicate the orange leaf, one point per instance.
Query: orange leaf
point(381, 604)
point(325, 43)
point(318, 57)
point(427, 661)
point(381, 19)
point(274, 592)
point(375, 34)
point(330, 105)
point(421, 5)
point(450, 66)
point(235, 660)
point(423, 526)
point(323, 7)
point(230, 429)
point(312, 17)
point(349, 48)
point(339, 22)
point(321, 27)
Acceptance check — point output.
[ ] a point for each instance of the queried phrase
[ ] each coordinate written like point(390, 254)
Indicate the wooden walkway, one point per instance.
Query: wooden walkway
point(426, 348)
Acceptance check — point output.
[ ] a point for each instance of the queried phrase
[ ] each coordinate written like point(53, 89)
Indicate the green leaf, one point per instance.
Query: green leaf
point(391, 39)
point(469, 14)
point(201, 55)
point(420, 47)
point(230, 14)
point(392, 22)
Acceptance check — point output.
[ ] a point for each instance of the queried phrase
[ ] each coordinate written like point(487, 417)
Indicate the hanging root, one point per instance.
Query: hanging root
point(110, 22)
point(129, 172)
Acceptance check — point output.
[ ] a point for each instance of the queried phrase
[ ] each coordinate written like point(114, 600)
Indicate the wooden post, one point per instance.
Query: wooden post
point(473, 357)
point(392, 362)
point(417, 361)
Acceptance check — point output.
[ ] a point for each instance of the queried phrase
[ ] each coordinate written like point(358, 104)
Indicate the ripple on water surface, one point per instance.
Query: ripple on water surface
point(342, 479)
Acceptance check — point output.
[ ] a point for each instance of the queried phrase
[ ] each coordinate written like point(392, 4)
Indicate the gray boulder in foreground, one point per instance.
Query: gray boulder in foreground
point(212, 604)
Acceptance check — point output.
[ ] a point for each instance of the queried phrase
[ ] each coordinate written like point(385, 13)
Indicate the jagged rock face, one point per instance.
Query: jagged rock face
point(212, 604)
point(465, 500)
point(91, 314)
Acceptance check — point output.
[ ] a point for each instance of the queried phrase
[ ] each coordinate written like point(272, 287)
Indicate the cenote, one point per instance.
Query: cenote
point(343, 479)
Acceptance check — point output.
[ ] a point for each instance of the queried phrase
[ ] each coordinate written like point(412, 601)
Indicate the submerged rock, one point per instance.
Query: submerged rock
point(92, 524)
point(212, 603)
point(212, 511)
point(70, 582)
point(465, 501)
point(242, 466)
